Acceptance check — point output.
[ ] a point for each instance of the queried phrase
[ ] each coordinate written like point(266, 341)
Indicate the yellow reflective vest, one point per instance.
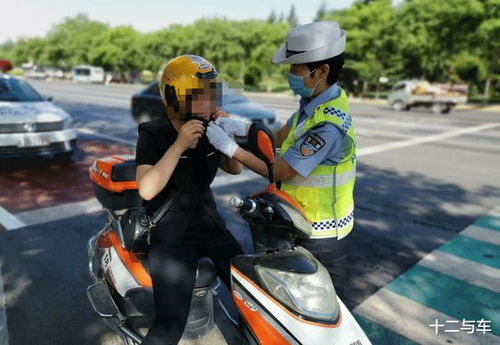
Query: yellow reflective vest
point(326, 195)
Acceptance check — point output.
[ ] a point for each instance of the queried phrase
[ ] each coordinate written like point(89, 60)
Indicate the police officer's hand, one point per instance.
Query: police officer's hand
point(232, 127)
point(220, 140)
point(189, 134)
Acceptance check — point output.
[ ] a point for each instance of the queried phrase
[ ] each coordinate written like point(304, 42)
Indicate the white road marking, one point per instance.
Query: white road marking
point(422, 140)
point(92, 205)
point(107, 137)
point(53, 213)
point(9, 221)
point(78, 208)
point(463, 269)
point(412, 320)
point(482, 234)
point(375, 133)
point(4, 331)
point(93, 98)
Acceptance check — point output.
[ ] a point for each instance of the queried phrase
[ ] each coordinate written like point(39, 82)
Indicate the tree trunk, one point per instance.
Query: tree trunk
point(365, 88)
point(376, 90)
point(242, 72)
point(487, 85)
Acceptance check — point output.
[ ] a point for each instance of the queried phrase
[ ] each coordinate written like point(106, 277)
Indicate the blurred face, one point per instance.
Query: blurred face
point(204, 101)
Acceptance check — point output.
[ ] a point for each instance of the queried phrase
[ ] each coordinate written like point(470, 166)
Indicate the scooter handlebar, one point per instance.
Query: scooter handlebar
point(246, 204)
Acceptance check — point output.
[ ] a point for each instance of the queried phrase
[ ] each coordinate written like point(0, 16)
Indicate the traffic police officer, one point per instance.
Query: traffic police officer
point(318, 144)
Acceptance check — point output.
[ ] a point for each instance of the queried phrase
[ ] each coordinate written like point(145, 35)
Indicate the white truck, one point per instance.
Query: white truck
point(87, 74)
point(441, 98)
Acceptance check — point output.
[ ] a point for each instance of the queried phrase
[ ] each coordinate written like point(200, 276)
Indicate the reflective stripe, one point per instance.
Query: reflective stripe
point(321, 181)
point(329, 224)
point(299, 130)
point(342, 179)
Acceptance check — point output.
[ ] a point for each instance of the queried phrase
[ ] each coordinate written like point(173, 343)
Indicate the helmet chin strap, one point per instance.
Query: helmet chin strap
point(191, 116)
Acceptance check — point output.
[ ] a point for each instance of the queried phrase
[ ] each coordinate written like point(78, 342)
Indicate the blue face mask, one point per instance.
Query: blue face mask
point(296, 83)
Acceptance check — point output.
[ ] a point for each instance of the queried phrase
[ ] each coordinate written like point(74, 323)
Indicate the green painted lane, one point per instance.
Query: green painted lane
point(490, 222)
point(475, 250)
point(448, 295)
point(380, 335)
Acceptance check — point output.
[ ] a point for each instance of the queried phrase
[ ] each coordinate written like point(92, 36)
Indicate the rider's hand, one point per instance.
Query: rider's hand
point(220, 140)
point(189, 134)
point(219, 113)
point(232, 127)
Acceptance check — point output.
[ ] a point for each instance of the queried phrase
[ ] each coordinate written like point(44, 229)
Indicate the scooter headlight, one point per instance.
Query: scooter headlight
point(311, 295)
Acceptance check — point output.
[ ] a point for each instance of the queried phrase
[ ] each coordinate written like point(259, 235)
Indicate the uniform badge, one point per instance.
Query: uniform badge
point(311, 145)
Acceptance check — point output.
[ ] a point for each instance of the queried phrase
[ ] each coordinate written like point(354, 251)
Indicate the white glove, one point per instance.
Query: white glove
point(220, 140)
point(232, 127)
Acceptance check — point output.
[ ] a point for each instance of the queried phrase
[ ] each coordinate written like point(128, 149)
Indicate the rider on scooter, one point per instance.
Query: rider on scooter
point(171, 153)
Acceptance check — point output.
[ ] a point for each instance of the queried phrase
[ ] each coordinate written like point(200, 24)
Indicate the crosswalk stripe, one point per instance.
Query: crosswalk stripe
point(490, 221)
point(471, 249)
point(412, 319)
point(482, 234)
point(466, 270)
point(448, 295)
point(457, 281)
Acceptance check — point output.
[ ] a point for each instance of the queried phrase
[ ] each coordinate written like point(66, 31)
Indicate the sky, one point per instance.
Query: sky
point(33, 18)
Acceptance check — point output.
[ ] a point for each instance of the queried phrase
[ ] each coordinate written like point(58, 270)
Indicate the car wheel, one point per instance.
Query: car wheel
point(446, 110)
point(143, 117)
point(398, 106)
point(437, 108)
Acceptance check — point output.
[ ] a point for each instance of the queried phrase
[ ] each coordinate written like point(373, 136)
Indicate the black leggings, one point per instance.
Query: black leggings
point(173, 272)
point(332, 253)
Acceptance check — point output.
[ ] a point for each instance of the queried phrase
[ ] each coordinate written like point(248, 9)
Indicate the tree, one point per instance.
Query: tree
point(321, 13)
point(67, 43)
point(117, 49)
point(371, 48)
point(434, 32)
point(487, 38)
point(272, 17)
point(292, 18)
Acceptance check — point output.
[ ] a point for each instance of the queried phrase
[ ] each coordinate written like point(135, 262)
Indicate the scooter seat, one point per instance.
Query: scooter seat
point(124, 171)
point(205, 276)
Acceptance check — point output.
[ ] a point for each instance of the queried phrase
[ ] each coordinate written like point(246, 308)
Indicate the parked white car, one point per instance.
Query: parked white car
point(87, 74)
point(31, 125)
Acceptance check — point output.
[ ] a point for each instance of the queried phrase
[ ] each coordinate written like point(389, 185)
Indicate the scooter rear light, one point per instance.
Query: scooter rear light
point(104, 242)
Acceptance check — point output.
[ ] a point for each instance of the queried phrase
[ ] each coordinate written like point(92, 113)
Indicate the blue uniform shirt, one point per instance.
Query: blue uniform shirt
point(323, 144)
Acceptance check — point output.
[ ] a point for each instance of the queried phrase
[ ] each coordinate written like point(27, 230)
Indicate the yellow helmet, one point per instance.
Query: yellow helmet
point(183, 74)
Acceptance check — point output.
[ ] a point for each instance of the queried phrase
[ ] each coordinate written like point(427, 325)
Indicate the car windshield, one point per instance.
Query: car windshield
point(15, 90)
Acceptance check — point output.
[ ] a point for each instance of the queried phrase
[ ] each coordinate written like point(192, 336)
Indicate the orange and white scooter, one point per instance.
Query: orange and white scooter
point(284, 296)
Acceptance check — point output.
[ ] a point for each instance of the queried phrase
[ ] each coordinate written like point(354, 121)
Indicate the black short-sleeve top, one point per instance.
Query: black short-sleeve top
point(196, 169)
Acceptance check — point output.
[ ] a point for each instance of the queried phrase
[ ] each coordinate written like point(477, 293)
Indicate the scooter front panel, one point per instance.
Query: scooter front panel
point(345, 332)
